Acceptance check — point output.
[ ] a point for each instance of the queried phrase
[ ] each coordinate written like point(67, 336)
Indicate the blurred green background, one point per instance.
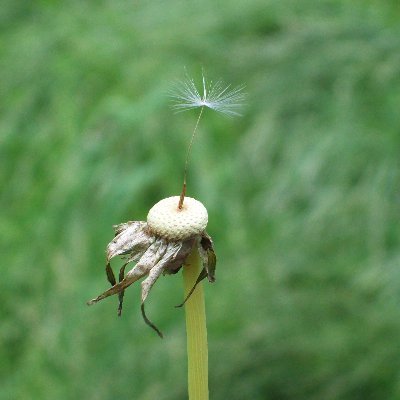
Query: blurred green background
point(302, 194)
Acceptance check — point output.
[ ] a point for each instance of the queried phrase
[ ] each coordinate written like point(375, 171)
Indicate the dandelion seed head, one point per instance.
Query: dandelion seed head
point(216, 96)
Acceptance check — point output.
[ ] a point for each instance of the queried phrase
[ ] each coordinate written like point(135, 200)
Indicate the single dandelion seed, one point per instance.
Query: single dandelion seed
point(218, 97)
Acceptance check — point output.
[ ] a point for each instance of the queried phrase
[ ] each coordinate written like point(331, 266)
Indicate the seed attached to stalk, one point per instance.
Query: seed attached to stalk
point(173, 237)
point(216, 96)
point(174, 227)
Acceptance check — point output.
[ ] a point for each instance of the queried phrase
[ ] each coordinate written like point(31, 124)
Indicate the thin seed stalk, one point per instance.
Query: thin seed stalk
point(196, 331)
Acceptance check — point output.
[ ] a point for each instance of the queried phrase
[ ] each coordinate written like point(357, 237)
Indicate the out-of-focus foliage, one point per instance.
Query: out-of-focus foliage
point(302, 194)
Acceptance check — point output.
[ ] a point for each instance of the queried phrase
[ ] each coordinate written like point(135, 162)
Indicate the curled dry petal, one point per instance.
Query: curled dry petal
point(209, 260)
point(157, 270)
point(179, 258)
point(151, 256)
point(132, 237)
point(121, 227)
point(207, 255)
point(169, 256)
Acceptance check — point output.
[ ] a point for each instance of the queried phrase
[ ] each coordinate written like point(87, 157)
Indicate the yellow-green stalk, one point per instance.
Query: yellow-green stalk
point(196, 330)
point(187, 225)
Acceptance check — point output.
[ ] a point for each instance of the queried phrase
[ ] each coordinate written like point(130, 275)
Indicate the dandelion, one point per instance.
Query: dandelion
point(174, 238)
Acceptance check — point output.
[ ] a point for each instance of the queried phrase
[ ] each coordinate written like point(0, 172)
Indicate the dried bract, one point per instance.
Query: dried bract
point(159, 246)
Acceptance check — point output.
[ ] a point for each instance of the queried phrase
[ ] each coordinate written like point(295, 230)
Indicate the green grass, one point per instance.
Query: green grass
point(302, 194)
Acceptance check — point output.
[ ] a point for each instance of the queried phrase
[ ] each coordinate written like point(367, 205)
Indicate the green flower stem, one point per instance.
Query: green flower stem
point(196, 331)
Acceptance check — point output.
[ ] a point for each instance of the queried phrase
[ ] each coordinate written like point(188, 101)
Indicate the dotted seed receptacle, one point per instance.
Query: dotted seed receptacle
point(166, 220)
